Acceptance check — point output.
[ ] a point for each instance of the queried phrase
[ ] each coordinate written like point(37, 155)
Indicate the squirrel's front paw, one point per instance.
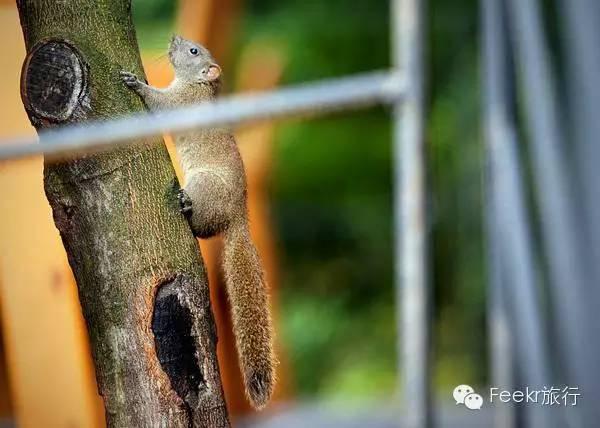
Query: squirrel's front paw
point(130, 79)
point(185, 202)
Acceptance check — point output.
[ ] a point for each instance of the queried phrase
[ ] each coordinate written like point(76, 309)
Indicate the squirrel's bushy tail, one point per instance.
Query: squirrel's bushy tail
point(248, 295)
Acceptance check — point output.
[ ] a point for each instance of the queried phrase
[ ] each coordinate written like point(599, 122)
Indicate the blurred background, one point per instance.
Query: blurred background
point(321, 212)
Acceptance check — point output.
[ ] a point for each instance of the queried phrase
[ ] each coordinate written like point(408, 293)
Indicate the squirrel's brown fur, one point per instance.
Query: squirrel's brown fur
point(215, 186)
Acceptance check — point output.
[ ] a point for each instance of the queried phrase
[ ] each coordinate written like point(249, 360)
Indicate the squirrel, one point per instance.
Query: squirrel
point(214, 200)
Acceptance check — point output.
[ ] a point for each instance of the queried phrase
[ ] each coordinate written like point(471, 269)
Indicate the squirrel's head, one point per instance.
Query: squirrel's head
point(193, 62)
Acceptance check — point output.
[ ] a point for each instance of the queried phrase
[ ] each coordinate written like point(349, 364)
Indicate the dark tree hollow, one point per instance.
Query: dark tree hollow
point(172, 325)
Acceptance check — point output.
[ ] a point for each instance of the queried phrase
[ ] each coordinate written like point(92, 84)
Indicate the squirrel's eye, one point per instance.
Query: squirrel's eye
point(194, 51)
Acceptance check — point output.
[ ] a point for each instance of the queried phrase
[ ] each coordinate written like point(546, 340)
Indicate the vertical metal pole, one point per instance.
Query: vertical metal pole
point(545, 126)
point(509, 233)
point(413, 294)
point(553, 183)
point(581, 38)
point(501, 339)
point(510, 236)
point(570, 265)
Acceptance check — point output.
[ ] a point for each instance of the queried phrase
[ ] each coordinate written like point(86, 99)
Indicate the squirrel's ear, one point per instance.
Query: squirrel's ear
point(212, 72)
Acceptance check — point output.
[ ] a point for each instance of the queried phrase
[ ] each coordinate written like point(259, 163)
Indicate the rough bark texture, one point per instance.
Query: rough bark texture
point(141, 281)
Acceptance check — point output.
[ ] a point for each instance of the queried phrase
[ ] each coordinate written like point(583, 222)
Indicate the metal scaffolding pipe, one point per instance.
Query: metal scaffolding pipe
point(510, 242)
point(554, 188)
point(581, 329)
point(410, 231)
point(312, 98)
point(501, 339)
point(570, 265)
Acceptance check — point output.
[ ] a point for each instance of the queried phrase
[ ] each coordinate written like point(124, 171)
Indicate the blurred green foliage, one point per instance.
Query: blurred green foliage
point(332, 195)
point(154, 23)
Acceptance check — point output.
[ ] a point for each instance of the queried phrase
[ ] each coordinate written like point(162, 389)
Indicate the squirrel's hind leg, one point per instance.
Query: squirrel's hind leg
point(185, 202)
point(206, 207)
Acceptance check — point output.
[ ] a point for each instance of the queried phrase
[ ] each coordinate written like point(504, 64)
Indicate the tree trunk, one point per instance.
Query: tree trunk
point(142, 284)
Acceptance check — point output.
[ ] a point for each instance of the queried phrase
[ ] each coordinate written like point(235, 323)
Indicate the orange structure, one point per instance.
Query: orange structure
point(47, 354)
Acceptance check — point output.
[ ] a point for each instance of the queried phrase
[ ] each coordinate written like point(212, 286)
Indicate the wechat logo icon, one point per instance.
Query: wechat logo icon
point(464, 394)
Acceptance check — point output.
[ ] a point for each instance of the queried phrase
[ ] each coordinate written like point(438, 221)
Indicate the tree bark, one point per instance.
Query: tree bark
point(142, 283)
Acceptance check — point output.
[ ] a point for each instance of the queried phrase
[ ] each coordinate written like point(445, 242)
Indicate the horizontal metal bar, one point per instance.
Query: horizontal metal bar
point(367, 89)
